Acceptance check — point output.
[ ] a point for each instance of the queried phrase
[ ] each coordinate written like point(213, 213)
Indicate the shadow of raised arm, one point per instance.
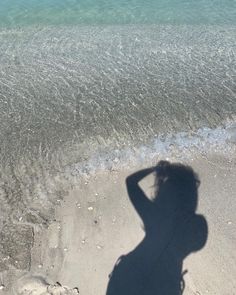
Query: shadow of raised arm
point(138, 198)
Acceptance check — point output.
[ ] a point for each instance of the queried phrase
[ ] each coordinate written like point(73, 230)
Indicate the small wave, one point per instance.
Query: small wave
point(179, 146)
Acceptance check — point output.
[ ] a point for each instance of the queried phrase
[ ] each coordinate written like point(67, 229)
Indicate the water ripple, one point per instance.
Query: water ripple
point(121, 84)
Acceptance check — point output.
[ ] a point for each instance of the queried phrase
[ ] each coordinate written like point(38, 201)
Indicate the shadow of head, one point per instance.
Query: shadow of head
point(177, 184)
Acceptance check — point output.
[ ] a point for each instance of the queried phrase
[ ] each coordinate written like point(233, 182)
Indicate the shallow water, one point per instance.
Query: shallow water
point(82, 76)
point(113, 86)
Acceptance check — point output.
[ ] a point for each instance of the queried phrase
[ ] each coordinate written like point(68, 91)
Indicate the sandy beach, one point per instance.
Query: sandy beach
point(96, 224)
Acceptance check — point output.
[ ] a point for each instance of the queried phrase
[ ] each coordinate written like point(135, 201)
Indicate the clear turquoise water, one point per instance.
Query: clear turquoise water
point(67, 12)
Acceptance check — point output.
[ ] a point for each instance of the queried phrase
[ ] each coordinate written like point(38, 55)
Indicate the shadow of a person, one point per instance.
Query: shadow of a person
point(172, 231)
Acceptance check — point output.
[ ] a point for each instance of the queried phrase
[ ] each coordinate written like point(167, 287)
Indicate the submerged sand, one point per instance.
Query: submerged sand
point(96, 224)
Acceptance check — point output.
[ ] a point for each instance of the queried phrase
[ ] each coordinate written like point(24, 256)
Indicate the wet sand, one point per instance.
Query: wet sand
point(96, 224)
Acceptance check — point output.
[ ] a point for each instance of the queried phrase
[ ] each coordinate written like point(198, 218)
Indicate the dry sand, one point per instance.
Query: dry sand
point(96, 224)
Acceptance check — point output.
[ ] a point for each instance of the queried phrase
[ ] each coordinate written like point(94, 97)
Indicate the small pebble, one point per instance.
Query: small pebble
point(65, 249)
point(2, 287)
point(229, 222)
point(76, 290)
point(40, 266)
point(90, 208)
point(78, 205)
point(96, 194)
point(83, 241)
point(99, 247)
point(116, 160)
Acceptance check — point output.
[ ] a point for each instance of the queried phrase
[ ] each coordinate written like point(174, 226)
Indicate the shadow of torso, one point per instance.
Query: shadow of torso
point(155, 265)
